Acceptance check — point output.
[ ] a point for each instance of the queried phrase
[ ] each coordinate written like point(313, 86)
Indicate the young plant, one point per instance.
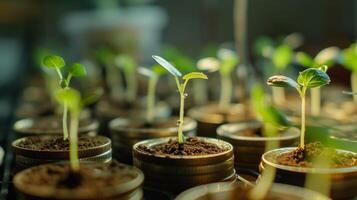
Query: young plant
point(326, 58)
point(75, 70)
point(309, 78)
point(228, 60)
point(113, 76)
point(277, 57)
point(349, 61)
point(181, 86)
point(154, 75)
point(128, 65)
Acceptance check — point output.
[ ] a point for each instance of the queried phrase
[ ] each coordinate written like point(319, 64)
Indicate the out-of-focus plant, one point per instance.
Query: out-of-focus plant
point(128, 65)
point(325, 57)
point(153, 74)
point(277, 56)
point(309, 78)
point(181, 86)
point(75, 70)
point(349, 61)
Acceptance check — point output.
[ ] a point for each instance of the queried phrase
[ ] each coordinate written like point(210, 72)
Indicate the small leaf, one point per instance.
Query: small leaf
point(158, 70)
point(194, 75)
point(349, 57)
point(274, 116)
point(282, 81)
point(304, 59)
point(77, 69)
point(53, 61)
point(70, 97)
point(327, 56)
point(168, 66)
point(229, 60)
point(313, 77)
point(282, 56)
point(209, 64)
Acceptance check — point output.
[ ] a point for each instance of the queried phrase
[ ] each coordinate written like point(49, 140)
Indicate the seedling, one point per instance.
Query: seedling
point(326, 58)
point(228, 60)
point(75, 70)
point(309, 78)
point(154, 75)
point(113, 76)
point(277, 58)
point(128, 65)
point(349, 61)
point(181, 86)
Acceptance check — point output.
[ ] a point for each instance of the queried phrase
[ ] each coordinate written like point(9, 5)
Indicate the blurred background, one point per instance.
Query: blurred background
point(75, 29)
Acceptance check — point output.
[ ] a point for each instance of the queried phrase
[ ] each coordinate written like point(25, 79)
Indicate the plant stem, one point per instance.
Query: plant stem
point(302, 134)
point(315, 101)
point(151, 99)
point(73, 141)
point(64, 121)
point(180, 127)
point(226, 91)
point(278, 95)
point(354, 84)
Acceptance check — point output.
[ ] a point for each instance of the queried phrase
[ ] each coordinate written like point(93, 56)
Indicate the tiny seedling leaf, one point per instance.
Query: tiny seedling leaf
point(228, 60)
point(168, 66)
point(53, 61)
point(304, 59)
point(77, 69)
point(313, 77)
point(282, 81)
point(195, 75)
point(145, 71)
point(209, 64)
point(282, 56)
point(70, 97)
point(349, 57)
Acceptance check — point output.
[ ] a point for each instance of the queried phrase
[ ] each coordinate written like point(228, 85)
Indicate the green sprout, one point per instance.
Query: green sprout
point(128, 65)
point(309, 78)
point(181, 86)
point(325, 58)
point(72, 99)
point(349, 61)
point(154, 75)
point(228, 60)
point(113, 76)
point(75, 70)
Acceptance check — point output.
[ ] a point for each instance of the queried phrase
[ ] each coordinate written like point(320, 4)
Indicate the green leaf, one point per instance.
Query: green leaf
point(304, 59)
point(313, 77)
point(77, 69)
point(54, 61)
point(168, 66)
point(274, 116)
point(282, 56)
point(158, 70)
point(194, 75)
point(70, 97)
point(349, 57)
point(282, 81)
point(327, 56)
point(229, 59)
point(209, 64)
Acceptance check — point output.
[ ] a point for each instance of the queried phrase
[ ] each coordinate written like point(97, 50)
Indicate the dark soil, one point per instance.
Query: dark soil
point(56, 143)
point(191, 147)
point(53, 123)
point(94, 176)
point(305, 157)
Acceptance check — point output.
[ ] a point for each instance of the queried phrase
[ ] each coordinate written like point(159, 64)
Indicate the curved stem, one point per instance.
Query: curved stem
point(302, 134)
point(73, 142)
point(226, 91)
point(64, 121)
point(315, 101)
point(151, 99)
